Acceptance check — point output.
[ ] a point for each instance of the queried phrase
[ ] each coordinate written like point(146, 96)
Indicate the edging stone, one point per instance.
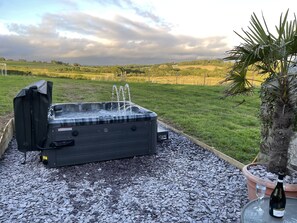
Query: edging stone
point(6, 136)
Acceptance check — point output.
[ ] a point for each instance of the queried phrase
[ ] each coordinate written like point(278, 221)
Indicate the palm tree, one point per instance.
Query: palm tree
point(274, 57)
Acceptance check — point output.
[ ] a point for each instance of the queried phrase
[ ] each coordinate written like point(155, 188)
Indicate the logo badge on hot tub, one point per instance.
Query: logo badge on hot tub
point(64, 129)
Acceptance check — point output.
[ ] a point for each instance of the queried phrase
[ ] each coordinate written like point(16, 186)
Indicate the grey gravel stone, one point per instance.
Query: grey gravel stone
point(181, 183)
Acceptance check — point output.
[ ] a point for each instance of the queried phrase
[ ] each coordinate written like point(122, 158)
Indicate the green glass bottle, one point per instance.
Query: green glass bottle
point(277, 202)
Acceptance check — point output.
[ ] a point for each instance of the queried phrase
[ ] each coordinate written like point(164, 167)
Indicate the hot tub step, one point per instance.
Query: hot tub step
point(162, 134)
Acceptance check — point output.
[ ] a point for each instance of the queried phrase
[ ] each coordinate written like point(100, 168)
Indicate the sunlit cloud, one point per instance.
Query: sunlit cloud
point(91, 39)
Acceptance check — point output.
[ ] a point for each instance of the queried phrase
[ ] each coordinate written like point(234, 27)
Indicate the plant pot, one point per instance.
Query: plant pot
point(252, 180)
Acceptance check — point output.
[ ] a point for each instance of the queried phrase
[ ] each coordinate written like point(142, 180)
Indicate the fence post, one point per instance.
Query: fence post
point(3, 69)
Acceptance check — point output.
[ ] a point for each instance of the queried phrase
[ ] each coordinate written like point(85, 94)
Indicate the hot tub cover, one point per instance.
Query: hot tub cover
point(31, 106)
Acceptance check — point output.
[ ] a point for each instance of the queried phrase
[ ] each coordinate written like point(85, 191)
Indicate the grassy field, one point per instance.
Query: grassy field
point(210, 74)
point(197, 110)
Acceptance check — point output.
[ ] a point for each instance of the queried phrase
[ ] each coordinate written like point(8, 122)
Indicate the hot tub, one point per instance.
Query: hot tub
point(76, 133)
point(88, 132)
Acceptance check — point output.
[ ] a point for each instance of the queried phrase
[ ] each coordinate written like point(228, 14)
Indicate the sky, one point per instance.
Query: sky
point(109, 32)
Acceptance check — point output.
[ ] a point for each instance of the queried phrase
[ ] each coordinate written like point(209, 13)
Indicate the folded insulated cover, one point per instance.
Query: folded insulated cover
point(31, 106)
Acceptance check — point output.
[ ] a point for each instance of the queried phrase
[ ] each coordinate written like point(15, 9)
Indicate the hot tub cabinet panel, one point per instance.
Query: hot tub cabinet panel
point(96, 138)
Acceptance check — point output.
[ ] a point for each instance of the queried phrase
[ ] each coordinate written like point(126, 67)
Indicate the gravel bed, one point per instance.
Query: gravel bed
point(181, 183)
point(261, 172)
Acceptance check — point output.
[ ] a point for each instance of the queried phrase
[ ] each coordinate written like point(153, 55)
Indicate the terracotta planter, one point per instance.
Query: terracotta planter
point(252, 180)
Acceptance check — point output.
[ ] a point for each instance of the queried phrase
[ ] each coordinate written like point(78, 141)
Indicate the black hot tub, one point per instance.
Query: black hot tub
point(78, 133)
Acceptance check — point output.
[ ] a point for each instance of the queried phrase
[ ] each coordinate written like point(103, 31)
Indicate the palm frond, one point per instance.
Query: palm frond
point(266, 53)
point(238, 83)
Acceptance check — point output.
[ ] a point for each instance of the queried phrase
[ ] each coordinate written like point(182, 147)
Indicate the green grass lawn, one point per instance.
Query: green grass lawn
point(197, 110)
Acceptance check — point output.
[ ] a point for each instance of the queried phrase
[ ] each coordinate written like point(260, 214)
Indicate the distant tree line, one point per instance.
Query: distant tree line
point(216, 62)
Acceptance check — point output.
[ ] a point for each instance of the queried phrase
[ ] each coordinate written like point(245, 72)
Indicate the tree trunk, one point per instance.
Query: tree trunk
point(292, 161)
point(266, 115)
point(281, 133)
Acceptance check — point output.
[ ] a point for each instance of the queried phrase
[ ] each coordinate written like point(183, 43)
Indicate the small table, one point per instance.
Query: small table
point(250, 215)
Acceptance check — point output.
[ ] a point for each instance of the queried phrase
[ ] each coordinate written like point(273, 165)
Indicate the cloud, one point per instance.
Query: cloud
point(143, 11)
point(79, 37)
point(146, 13)
point(110, 2)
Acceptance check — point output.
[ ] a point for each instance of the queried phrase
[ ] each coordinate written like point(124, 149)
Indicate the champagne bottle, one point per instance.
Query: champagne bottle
point(277, 202)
